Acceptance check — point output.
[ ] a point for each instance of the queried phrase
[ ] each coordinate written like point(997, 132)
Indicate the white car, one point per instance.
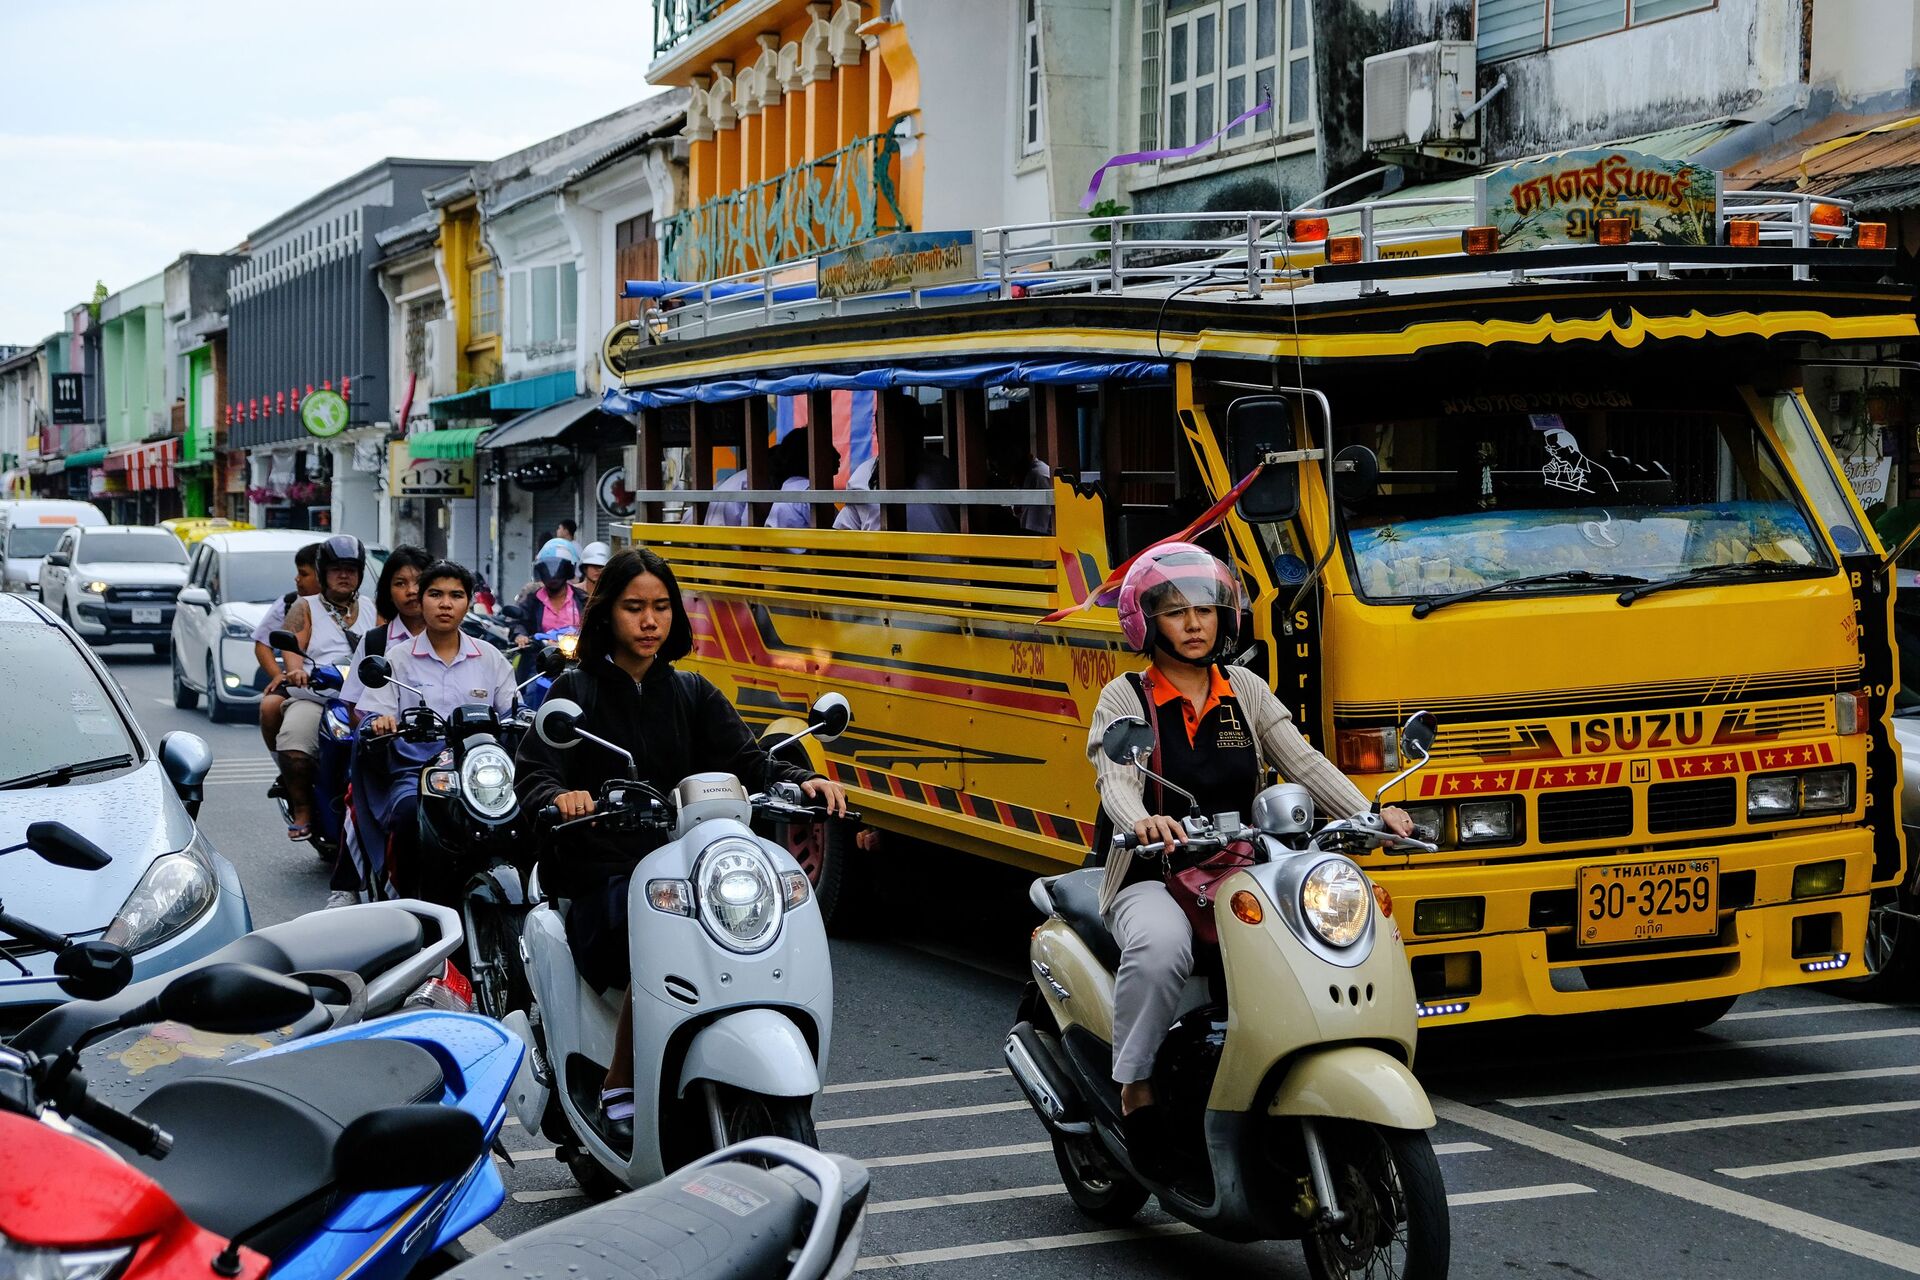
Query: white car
point(232, 582)
point(116, 583)
point(29, 529)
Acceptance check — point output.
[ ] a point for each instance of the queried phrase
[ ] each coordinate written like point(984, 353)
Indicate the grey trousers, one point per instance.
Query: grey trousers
point(1156, 955)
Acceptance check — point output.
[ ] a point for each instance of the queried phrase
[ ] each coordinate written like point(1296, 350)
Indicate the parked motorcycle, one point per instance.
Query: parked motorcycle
point(1286, 1077)
point(733, 987)
point(332, 759)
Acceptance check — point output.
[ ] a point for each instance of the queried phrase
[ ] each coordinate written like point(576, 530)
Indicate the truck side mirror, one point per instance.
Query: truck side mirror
point(1256, 427)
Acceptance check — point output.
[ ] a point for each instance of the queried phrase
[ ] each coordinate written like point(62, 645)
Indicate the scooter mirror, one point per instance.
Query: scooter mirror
point(232, 999)
point(93, 970)
point(374, 671)
point(61, 845)
point(552, 660)
point(412, 1146)
point(285, 642)
point(555, 723)
point(830, 716)
point(1127, 740)
point(1416, 738)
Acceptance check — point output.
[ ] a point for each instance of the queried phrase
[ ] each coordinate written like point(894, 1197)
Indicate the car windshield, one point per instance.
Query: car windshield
point(33, 541)
point(1493, 488)
point(131, 548)
point(255, 577)
point(59, 711)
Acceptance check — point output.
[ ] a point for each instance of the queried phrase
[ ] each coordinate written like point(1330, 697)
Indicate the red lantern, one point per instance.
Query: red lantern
point(227, 413)
point(279, 402)
point(293, 399)
point(253, 409)
point(326, 384)
point(346, 388)
point(309, 388)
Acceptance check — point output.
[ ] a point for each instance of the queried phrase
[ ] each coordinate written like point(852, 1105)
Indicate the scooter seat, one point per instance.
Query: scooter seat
point(1076, 896)
point(728, 1220)
point(254, 1138)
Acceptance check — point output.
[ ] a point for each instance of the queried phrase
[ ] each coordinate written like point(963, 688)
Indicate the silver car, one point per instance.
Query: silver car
point(73, 752)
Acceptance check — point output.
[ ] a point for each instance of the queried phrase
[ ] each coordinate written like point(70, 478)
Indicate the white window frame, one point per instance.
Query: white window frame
point(1183, 81)
point(523, 284)
point(1033, 114)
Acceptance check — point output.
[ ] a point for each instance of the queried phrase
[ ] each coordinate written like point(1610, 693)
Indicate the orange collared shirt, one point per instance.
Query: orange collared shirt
point(1162, 692)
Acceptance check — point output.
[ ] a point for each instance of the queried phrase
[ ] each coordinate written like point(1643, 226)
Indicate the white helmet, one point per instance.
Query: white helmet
point(596, 553)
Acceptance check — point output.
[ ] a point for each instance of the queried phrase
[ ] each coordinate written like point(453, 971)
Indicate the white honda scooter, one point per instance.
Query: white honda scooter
point(732, 984)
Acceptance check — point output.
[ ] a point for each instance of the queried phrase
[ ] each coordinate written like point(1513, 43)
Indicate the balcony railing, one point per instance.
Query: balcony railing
point(842, 198)
point(675, 20)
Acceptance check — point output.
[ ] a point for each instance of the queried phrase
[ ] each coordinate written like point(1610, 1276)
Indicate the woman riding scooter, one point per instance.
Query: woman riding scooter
point(674, 724)
point(1217, 728)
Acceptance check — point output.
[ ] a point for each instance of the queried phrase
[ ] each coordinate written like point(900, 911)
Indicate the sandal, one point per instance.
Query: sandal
point(298, 831)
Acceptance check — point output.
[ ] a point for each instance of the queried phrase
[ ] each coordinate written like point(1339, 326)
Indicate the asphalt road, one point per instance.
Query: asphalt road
point(1784, 1141)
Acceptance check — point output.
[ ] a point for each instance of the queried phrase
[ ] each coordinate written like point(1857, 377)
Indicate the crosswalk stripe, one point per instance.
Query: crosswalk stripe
point(1546, 1191)
point(1805, 1010)
point(1032, 1244)
point(964, 1153)
point(1458, 1148)
point(936, 1113)
point(531, 1153)
point(541, 1197)
point(909, 1082)
point(479, 1240)
point(1888, 1155)
point(1621, 1133)
point(965, 1197)
point(1708, 1086)
point(1786, 1042)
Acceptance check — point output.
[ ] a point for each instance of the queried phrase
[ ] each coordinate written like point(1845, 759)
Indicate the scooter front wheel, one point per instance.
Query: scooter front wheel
point(1100, 1188)
point(746, 1115)
point(1395, 1205)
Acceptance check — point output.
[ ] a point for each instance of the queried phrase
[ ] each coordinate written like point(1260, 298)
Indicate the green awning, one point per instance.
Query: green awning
point(457, 442)
point(86, 458)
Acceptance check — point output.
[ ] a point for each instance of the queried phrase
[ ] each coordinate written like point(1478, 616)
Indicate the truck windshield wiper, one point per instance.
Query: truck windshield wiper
point(1744, 569)
point(65, 772)
point(1577, 577)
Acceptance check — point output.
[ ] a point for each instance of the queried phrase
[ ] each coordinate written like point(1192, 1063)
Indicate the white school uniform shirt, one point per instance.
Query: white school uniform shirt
point(734, 513)
point(398, 637)
point(790, 515)
point(1037, 519)
point(859, 515)
point(477, 674)
point(276, 618)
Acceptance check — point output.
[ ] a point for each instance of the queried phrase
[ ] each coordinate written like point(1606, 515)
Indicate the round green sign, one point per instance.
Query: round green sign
point(324, 413)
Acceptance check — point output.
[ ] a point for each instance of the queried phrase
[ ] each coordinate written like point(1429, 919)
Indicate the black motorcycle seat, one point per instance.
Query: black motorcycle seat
point(729, 1221)
point(366, 942)
point(253, 1138)
point(1076, 896)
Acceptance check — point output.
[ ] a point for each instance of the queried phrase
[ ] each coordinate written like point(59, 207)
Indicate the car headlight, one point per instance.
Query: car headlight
point(237, 630)
point(1335, 900)
point(170, 896)
point(1487, 822)
point(96, 587)
point(738, 893)
point(486, 778)
point(29, 1262)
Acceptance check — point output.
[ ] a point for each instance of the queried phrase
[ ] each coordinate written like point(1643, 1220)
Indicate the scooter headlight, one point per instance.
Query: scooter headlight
point(1335, 900)
point(739, 894)
point(486, 779)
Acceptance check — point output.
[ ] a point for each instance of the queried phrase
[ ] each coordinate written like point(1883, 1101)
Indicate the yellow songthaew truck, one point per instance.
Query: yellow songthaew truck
point(1567, 496)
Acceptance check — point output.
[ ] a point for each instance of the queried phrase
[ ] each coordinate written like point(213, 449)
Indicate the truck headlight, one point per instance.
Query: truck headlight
point(1429, 821)
point(487, 781)
point(170, 897)
point(738, 894)
point(1826, 791)
point(1487, 821)
point(1775, 795)
point(1335, 900)
point(94, 588)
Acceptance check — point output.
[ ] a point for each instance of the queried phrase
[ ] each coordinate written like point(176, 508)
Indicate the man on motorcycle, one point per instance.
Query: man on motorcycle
point(1216, 729)
point(674, 724)
point(449, 669)
point(327, 625)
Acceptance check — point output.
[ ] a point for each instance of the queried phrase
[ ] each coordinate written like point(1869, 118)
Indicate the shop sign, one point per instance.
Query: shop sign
point(1869, 474)
point(324, 413)
point(615, 498)
point(1559, 199)
point(69, 398)
point(903, 260)
point(410, 477)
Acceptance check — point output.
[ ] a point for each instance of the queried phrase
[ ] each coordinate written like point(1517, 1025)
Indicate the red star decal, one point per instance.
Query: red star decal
point(1806, 755)
point(1729, 763)
point(1767, 759)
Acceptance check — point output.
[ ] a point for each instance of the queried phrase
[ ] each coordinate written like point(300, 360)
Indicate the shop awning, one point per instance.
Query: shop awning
point(518, 396)
point(1872, 161)
point(86, 458)
point(1026, 373)
point(542, 425)
point(456, 442)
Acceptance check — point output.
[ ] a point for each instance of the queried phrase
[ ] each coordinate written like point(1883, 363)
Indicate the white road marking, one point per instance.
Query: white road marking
point(1783, 1042)
point(532, 1153)
point(1835, 1235)
point(936, 1113)
point(1805, 1010)
point(1032, 1244)
point(1621, 1133)
point(479, 1240)
point(541, 1197)
point(1457, 1148)
point(1546, 1191)
point(1888, 1155)
point(964, 1153)
point(965, 1197)
point(1708, 1086)
point(909, 1082)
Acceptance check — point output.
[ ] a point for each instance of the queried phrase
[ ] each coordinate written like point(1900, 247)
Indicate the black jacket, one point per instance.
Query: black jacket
point(675, 724)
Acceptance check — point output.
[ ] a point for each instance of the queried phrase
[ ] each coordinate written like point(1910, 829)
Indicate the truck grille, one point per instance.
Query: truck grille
point(141, 595)
point(1691, 806)
point(1586, 815)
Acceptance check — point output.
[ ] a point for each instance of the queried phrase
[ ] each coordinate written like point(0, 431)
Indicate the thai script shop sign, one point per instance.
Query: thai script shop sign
point(410, 477)
point(1558, 199)
point(904, 260)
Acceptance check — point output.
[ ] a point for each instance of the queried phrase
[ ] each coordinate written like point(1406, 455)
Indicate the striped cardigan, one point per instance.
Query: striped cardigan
point(1122, 788)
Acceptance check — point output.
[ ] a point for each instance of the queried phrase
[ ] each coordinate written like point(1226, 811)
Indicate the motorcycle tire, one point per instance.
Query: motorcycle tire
point(1892, 952)
point(1098, 1188)
point(499, 983)
point(755, 1115)
point(1389, 1185)
point(587, 1173)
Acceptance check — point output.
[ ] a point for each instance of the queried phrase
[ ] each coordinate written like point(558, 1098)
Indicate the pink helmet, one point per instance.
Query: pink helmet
point(1175, 576)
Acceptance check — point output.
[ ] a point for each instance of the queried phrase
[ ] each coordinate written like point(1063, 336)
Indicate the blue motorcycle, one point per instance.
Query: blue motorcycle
point(333, 756)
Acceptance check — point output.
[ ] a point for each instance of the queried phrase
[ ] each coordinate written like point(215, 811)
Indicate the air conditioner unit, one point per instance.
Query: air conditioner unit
point(1416, 102)
point(442, 371)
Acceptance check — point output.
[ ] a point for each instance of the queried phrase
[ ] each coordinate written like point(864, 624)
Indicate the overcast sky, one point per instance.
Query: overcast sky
point(134, 130)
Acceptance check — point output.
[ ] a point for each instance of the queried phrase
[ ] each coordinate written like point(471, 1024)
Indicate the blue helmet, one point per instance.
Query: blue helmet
point(556, 562)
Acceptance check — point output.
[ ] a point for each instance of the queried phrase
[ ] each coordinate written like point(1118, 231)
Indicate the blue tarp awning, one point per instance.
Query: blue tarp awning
point(515, 397)
point(684, 291)
point(952, 377)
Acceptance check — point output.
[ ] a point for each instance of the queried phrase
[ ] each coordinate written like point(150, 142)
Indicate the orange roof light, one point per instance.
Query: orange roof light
point(1247, 907)
point(1480, 240)
point(1743, 233)
point(1307, 229)
point(1613, 231)
point(1870, 235)
point(1343, 249)
point(1826, 215)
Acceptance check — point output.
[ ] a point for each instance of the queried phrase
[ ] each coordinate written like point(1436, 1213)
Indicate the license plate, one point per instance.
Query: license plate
point(1645, 901)
point(146, 615)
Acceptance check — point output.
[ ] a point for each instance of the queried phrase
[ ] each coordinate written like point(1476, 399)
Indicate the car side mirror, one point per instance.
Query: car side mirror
point(285, 642)
point(375, 672)
point(1418, 734)
point(830, 716)
point(1258, 426)
point(93, 970)
point(187, 760)
point(61, 845)
point(60, 559)
point(1127, 740)
point(198, 597)
point(557, 723)
point(411, 1146)
point(231, 999)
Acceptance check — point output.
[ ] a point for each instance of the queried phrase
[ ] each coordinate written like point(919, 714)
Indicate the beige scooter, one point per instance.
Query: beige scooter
point(1286, 1076)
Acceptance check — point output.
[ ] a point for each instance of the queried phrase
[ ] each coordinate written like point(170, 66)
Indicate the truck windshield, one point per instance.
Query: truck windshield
point(131, 548)
point(1496, 488)
point(33, 541)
